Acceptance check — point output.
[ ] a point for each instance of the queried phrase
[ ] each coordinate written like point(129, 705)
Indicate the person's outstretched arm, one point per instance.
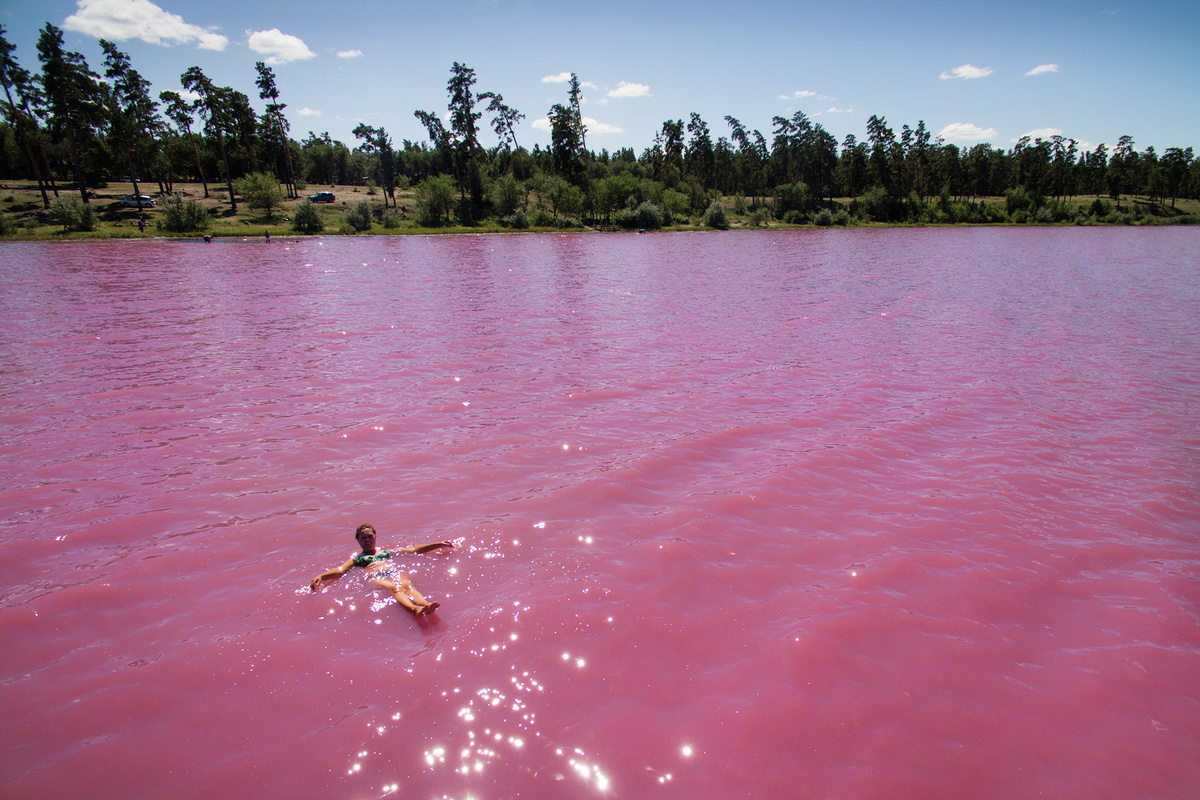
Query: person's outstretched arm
point(336, 572)
point(425, 548)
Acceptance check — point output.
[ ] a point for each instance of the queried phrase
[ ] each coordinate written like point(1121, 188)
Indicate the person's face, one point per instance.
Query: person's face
point(367, 539)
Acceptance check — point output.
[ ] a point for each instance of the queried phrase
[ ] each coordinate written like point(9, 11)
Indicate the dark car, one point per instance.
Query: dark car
point(322, 197)
point(132, 201)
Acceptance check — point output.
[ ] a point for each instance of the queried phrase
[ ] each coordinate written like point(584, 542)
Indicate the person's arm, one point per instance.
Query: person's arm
point(425, 548)
point(336, 572)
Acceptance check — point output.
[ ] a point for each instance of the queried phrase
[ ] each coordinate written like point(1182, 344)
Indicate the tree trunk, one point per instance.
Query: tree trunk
point(200, 169)
point(225, 163)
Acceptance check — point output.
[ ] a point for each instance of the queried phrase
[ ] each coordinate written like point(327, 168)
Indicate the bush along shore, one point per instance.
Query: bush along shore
point(360, 210)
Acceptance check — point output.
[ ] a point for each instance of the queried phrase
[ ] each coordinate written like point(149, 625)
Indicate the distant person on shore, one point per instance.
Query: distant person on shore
point(382, 574)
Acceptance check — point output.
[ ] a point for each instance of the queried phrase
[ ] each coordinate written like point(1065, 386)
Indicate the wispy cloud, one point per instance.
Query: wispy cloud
point(279, 47)
point(349, 53)
point(309, 112)
point(1040, 133)
point(625, 89)
point(593, 127)
point(798, 95)
point(967, 71)
point(561, 77)
point(965, 132)
point(1041, 69)
point(119, 20)
point(835, 110)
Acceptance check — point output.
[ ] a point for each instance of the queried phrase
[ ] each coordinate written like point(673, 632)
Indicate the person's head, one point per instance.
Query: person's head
point(365, 534)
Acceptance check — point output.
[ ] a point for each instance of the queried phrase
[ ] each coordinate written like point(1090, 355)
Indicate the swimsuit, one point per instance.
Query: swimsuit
point(362, 559)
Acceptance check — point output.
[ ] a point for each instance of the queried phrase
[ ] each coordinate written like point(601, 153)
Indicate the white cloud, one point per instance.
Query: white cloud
point(119, 20)
point(625, 89)
point(798, 95)
point(561, 77)
point(967, 71)
point(349, 53)
point(1040, 133)
point(308, 112)
point(279, 47)
point(835, 110)
point(1041, 69)
point(600, 127)
point(965, 132)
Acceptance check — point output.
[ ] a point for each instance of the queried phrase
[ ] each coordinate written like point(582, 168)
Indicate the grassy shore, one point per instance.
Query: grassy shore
point(24, 217)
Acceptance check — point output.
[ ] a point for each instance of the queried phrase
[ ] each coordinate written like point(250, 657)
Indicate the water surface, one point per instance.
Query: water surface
point(838, 514)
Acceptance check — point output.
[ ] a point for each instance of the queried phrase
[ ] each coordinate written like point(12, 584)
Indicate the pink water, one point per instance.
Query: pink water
point(819, 514)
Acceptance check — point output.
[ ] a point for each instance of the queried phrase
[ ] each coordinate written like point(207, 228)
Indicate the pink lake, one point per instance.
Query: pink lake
point(804, 514)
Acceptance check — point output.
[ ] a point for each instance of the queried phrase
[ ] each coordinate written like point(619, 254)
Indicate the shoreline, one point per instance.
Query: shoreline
point(23, 218)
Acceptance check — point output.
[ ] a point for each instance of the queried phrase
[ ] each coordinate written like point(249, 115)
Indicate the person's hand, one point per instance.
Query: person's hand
point(316, 583)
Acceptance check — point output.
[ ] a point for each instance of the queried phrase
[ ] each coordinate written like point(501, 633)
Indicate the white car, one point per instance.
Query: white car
point(132, 201)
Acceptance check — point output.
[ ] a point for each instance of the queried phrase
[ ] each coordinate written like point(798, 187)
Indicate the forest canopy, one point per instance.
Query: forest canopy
point(67, 122)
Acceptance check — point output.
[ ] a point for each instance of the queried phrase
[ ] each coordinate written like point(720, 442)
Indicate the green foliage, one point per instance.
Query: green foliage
point(824, 218)
point(792, 197)
point(716, 217)
point(1021, 199)
point(647, 216)
point(307, 219)
point(517, 220)
point(435, 199)
point(72, 215)
point(759, 217)
point(260, 190)
point(508, 194)
point(739, 205)
point(390, 219)
point(1100, 208)
point(182, 216)
point(359, 216)
point(878, 205)
point(6, 225)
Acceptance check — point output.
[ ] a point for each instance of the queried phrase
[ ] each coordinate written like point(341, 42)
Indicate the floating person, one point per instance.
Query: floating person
point(383, 574)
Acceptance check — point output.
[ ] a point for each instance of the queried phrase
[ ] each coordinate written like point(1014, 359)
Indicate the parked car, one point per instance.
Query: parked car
point(132, 201)
point(322, 197)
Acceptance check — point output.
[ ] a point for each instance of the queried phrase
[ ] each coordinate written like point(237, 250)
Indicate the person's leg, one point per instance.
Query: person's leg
point(427, 607)
point(397, 592)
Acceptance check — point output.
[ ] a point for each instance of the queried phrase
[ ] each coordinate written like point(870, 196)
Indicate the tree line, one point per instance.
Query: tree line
point(65, 124)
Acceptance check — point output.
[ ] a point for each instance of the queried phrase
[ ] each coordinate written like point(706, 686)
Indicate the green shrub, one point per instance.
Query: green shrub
point(260, 190)
point(794, 217)
point(841, 217)
point(824, 218)
point(182, 216)
point(359, 216)
point(435, 199)
point(6, 225)
point(646, 216)
point(759, 217)
point(518, 220)
point(390, 219)
point(716, 216)
point(306, 218)
point(878, 205)
point(72, 215)
point(739, 206)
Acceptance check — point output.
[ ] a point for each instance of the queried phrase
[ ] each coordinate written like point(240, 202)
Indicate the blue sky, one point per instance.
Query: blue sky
point(973, 72)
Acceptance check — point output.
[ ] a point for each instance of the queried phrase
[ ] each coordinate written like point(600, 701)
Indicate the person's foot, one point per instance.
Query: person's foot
point(428, 609)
